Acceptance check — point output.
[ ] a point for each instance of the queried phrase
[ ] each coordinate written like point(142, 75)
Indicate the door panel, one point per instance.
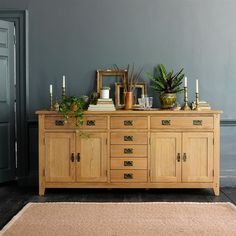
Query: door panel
point(197, 166)
point(92, 162)
point(60, 167)
point(165, 148)
point(7, 117)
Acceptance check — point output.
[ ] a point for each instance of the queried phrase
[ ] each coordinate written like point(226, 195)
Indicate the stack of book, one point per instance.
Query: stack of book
point(203, 105)
point(102, 105)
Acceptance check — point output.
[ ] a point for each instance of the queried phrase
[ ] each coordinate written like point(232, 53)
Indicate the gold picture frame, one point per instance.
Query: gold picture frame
point(120, 97)
point(120, 74)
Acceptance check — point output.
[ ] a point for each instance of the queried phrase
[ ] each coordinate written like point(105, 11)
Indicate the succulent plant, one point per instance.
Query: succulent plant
point(164, 82)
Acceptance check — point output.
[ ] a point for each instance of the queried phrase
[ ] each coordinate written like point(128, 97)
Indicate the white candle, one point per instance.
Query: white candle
point(63, 81)
point(50, 88)
point(185, 81)
point(197, 91)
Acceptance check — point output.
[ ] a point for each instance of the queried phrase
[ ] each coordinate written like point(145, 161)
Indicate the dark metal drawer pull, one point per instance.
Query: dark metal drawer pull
point(184, 157)
point(197, 122)
point(128, 138)
point(59, 122)
point(128, 122)
point(128, 163)
point(128, 176)
point(166, 122)
point(91, 122)
point(128, 150)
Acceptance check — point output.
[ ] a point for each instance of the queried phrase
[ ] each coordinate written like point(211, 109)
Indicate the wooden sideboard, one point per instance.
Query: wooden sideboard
point(130, 149)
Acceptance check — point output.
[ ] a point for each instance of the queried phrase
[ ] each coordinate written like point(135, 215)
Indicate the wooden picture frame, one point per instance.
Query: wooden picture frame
point(119, 94)
point(120, 74)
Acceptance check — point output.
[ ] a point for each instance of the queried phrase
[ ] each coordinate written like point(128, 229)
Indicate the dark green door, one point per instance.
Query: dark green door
point(7, 94)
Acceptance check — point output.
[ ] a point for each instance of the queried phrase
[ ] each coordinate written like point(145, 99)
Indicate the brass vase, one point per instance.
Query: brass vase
point(129, 100)
point(168, 100)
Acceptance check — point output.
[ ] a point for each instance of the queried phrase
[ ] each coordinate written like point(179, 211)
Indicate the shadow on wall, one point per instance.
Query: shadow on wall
point(228, 156)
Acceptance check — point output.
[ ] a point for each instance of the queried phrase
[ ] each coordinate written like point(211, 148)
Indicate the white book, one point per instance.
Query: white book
point(104, 99)
point(102, 105)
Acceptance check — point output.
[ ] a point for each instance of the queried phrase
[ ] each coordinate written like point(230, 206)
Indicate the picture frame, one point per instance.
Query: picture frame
point(120, 97)
point(120, 74)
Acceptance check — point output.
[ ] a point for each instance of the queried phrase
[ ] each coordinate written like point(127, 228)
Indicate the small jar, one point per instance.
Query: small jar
point(105, 92)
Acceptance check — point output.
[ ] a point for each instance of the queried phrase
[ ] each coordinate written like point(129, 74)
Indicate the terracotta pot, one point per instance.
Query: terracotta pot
point(168, 100)
point(73, 107)
point(129, 100)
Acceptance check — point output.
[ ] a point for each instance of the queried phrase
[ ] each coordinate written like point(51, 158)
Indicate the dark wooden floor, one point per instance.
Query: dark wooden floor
point(13, 198)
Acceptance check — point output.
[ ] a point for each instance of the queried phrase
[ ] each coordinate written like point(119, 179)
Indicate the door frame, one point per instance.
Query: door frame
point(20, 19)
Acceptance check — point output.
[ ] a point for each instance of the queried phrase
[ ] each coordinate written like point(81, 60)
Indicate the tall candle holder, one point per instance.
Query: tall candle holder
point(197, 108)
point(51, 102)
point(63, 94)
point(185, 107)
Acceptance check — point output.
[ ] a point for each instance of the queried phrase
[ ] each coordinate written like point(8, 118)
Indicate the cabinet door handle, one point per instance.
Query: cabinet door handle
point(184, 157)
point(166, 122)
point(178, 157)
point(128, 138)
point(128, 176)
point(128, 150)
point(128, 122)
point(128, 163)
point(91, 122)
point(78, 157)
point(72, 157)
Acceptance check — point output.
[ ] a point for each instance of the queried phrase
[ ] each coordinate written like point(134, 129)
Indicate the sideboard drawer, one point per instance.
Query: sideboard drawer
point(129, 151)
point(95, 122)
point(58, 122)
point(90, 122)
point(129, 138)
point(158, 122)
point(129, 122)
point(129, 163)
point(129, 176)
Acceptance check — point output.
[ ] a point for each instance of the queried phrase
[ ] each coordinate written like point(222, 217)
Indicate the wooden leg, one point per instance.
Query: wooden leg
point(216, 189)
point(41, 191)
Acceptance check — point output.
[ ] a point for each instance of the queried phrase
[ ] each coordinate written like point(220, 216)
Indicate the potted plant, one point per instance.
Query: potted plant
point(105, 91)
point(129, 82)
point(73, 106)
point(167, 84)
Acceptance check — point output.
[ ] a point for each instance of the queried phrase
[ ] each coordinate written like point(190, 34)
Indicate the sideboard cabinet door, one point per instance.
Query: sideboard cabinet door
point(197, 164)
point(165, 157)
point(91, 157)
point(59, 157)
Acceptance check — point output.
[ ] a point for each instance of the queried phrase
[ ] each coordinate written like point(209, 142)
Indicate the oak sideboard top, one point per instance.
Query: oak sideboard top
point(138, 112)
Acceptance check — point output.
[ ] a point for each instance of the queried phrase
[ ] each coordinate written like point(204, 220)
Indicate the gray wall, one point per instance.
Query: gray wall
point(75, 37)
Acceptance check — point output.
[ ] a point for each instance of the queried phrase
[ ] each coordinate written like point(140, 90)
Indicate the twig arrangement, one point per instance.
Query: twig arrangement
point(130, 81)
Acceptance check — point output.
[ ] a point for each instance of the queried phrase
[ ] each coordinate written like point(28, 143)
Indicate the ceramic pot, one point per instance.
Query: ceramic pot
point(129, 100)
point(168, 100)
point(73, 107)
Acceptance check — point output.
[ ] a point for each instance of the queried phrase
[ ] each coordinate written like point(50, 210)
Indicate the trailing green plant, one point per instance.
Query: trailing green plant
point(164, 82)
point(73, 106)
point(133, 77)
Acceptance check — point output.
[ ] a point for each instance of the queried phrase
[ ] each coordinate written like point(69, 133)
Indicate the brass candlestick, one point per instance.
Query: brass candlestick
point(185, 107)
point(63, 94)
point(51, 102)
point(197, 108)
